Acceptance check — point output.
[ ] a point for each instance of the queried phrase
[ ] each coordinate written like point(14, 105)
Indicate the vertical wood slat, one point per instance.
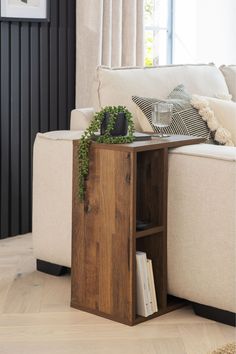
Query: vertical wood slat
point(71, 56)
point(37, 90)
point(15, 128)
point(34, 83)
point(34, 100)
point(53, 66)
point(44, 83)
point(62, 55)
point(5, 128)
point(25, 126)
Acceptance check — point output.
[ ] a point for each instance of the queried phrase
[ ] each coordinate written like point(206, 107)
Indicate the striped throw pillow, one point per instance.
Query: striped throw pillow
point(185, 118)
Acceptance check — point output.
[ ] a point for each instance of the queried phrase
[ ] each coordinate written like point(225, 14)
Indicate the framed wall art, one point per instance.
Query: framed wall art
point(24, 10)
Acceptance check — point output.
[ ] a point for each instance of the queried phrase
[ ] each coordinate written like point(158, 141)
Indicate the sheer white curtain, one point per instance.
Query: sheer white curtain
point(109, 32)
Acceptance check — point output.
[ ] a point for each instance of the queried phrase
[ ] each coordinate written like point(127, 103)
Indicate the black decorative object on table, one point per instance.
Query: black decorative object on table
point(120, 126)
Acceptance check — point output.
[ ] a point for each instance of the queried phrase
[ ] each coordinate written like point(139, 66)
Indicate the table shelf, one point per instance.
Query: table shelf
point(154, 230)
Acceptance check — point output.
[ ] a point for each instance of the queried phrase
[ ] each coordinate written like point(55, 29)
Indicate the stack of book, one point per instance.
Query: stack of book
point(146, 293)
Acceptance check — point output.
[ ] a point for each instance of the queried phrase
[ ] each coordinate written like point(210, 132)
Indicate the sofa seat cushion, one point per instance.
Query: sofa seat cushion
point(202, 225)
point(216, 152)
point(229, 73)
point(185, 118)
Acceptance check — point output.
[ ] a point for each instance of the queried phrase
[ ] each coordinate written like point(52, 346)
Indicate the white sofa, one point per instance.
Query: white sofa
point(202, 189)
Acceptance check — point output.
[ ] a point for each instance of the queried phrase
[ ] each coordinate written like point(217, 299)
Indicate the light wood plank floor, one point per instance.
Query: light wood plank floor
point(36, 318)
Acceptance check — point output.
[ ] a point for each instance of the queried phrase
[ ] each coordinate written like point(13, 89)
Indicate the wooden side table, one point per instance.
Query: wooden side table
point(126, 183)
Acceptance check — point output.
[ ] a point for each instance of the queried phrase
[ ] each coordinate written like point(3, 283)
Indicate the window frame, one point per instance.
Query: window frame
point(168, 29)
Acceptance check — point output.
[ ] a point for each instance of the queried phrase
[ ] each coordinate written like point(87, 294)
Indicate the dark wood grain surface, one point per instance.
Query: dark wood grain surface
point(155, 143)
point(102, 266)
point(125, 182)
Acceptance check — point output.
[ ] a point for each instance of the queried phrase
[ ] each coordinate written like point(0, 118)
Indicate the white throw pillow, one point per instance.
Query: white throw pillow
point(229, 73)
point(223, 113)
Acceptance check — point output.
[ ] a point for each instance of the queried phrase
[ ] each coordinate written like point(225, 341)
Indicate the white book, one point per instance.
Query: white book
point(142, 308)
point(152, 286)
point(143, 293)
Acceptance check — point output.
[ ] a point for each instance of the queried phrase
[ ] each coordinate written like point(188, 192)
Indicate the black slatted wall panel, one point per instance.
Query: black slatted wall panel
point(37, 93)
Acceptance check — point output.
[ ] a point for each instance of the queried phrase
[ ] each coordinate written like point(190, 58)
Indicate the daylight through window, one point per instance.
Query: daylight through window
point(158, 32)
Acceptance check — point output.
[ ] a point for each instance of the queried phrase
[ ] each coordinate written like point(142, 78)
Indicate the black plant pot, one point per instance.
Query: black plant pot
point(120, 127)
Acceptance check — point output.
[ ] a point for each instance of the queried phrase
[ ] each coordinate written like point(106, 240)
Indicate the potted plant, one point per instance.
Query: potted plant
point(116, 127)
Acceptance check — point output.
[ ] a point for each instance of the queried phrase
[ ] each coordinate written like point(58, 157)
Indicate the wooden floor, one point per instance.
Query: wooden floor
point(36, 318)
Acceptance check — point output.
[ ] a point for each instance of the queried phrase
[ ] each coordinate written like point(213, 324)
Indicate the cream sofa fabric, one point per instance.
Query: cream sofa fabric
point(116, 86)
point(52, 196)
point(202, 190)
point(202, 225)
point(80, 118)
point(229, 73)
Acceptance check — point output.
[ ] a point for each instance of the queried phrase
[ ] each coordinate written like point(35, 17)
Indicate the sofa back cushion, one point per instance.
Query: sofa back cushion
point(117, 86)
point(229, 73)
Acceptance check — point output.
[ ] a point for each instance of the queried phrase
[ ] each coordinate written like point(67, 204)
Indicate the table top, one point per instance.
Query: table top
point(153, 144)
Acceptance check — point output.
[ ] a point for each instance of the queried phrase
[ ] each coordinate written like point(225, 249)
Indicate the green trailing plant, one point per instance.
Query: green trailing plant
point(106, 138)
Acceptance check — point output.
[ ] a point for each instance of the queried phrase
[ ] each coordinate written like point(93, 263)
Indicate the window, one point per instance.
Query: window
point(158, 26)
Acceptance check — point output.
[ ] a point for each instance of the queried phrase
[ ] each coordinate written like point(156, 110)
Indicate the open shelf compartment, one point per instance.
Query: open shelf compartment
point(153, 247)
point(150, 189)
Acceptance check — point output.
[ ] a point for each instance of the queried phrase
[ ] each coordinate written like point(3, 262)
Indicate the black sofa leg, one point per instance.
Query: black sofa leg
point(51, 268)
point(215, 314)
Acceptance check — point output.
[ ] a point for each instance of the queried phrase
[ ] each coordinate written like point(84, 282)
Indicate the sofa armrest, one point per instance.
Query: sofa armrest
point(81, 118)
